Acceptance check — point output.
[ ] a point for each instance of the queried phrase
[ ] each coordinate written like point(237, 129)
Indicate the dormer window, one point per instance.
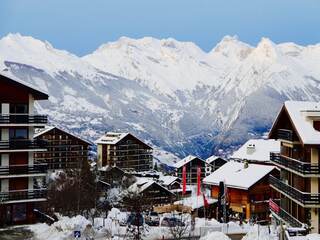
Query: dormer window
point(316, 125)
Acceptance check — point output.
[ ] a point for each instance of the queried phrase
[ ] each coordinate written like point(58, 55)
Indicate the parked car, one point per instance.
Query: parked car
point(152, 219)
point(165, 222)
point(135, 219)
point(171, 222)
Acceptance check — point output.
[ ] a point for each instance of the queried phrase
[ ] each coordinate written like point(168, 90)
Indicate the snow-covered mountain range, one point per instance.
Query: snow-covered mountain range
point(171, 93)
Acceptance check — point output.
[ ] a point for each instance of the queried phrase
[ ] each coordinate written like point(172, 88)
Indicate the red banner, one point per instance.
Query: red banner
point(273, 206)
point(199, 181)
point(205, 201)
point(184, 180)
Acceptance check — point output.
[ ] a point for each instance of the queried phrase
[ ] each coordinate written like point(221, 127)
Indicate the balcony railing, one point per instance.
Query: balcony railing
point(17, 195)
point(302, 197)
point(285, 134)
point(16, 144)
point(296, 165)
point(23, 169)
point(23, 119)
point(287, 217)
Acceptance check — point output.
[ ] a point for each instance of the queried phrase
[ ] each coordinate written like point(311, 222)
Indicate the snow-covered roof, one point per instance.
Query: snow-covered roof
point(167, 180)
point(235, 175)
point(49, 128)
point(143, 183)
point(111, 138)
point(195, 201)
point(211, 159)
point(185, 161)
point(257, 150)
point(301, 114)
point(115, 137)
point(41, 93)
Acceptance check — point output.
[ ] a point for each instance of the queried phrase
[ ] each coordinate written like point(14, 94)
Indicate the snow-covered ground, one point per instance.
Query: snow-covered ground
point(105, 228)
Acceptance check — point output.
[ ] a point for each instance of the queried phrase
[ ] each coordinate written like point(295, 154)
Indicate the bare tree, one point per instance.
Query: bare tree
point(78, 186)
point(179, 228)
point(136, 203)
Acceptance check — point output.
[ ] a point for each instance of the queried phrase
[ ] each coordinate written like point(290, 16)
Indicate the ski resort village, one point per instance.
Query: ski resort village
point(56, 184)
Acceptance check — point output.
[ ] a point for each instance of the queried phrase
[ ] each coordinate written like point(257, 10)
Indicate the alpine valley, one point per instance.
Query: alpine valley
point(172, 94)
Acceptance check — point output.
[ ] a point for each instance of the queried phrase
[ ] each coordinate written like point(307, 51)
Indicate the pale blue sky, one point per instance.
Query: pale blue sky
point(80, 26)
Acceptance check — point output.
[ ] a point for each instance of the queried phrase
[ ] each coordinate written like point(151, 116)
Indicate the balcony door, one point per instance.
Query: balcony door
point(18, 184)
point(18, 162)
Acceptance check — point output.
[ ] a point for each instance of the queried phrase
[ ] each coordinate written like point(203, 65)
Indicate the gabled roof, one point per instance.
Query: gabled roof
point(186, 160)
point(168, 180)
point(300, 114)
point(257, 150)
point(235, 175)
point(144, 183)
point(113, 138)
point(37, 94)
point(213, 158)
point(50, 128)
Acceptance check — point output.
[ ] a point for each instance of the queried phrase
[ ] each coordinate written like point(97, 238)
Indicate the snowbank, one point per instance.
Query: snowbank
point(63, 229)
point(261, 233)
point(215, 236)
point(313, 236)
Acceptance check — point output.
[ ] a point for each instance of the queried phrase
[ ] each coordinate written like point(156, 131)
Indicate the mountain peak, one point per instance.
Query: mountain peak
point(266, 48)
point(231, 46)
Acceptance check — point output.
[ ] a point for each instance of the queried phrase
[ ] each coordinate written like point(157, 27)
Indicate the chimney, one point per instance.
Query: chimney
point(251, 148)
point(245, 163)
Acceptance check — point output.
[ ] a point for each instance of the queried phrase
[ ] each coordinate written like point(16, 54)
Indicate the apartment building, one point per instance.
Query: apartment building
point(125, 151)
point(22, 182)
point(64, 150)
point(297, 126)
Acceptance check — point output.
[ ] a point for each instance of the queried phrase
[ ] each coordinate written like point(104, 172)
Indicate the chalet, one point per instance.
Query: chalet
point(256, 151)
point(112, 175)
point(124, 151)
point(153, 193)
point(22, 180)
point(170, 182)
point(248, 190)
point(213, 163)
point(64, 150)
point(297, 127)
point(192, 164)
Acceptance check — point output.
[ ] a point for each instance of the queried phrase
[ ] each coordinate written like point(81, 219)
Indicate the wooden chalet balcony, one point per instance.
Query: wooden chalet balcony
point(286, 134)
point(23, 169)
point(23, 119)
point(19, 144)
point(302, 168)
point(20, 195)
point(303, 198)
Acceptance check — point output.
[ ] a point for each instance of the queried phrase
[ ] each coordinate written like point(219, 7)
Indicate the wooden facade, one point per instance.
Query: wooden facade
point(214, 165)
point(64, 150)
point(154, 194)
point(191, 170)
point(129, 153)
point(22, 181)
point(252, 203)
point(298, 184)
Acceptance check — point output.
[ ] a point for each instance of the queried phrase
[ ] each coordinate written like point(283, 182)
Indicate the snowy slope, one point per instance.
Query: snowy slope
point(171, 93)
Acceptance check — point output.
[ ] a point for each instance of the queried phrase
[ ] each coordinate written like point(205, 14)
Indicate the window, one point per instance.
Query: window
point(19, 133)
point(19, 108)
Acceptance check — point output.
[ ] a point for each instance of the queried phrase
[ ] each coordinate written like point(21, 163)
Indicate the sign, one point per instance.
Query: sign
point(273, 206)
point(77, 234)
